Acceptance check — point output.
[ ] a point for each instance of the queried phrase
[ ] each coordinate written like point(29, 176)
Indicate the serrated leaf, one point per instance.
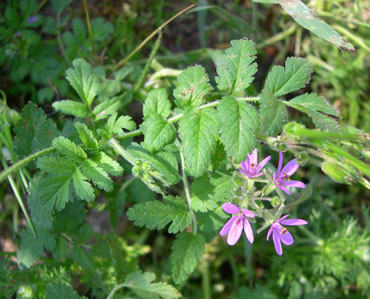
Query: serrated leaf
point(57, 166)
point(87, 136)
point(108, 164)
point(157, 103)
point(273, 114)
point(61, 250)
point(240, 123)
point(201, 191)
point(187, 252)
point(198, 131)
point(40, 214)
point(123, 122)
point(69, 149)
point(84, 82)
point(164, 162)
point(60, 291)
point(296, 75)
point(106, 108)
point(158, 132)
point(83, 258)
point(31, 249)
point(142, 285)
point(212, 220)
point(315, 107)
point(156, 214)
point(54, 191)
point(45, 132)
point(305, 17)
point(97, 175)
point(193, 86)
point(237, 72)
point(72, 108)
point(82, 187)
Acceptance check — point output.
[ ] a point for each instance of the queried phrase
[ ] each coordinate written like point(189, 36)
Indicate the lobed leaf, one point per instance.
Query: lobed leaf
point(116, 126)
point(142, 285)
point(74, 108)
point(107, 107)
point(187, 252)
point(193, 86)
point(83, 80)
point(273, 114)
point(97, 175)
point(315, 107)
point(69, 149)
point(237, 72)
point(201, 191)
point(108, 164)
point(87, 136)
point(296, 75)
point(82, 187)
point(157, 103)
point(158, 132)
point(240, 123)
point(60, 291)
point(198, 131)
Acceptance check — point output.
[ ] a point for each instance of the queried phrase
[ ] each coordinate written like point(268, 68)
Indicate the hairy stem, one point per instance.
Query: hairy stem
point(25, 161)
point(89, 31)
point(125, 154)
point(187, 193)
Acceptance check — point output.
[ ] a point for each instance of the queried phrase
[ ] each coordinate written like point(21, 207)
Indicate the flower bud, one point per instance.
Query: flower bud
point(336, 172)
point(268, 189)
point(147, 166)
point(291, 128)
point(238, 182)
point(136, 171)
point(267, 216)
point(302, 158)
point(276, 202)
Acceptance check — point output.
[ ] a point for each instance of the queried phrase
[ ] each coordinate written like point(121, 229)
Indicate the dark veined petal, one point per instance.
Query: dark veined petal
point(277, 244)
point(235, 231)
point(230, 208)
point(248, 231)
point(293, 222)
point(225, 230)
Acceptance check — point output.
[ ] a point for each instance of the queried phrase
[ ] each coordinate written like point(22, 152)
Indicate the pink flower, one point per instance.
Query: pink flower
point(282, 177)
point(235, 225)
point(281, 234)
point(250, 167)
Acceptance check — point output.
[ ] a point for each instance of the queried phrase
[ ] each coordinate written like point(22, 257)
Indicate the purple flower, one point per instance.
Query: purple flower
point(250, 167)
point(281, 234)
point(282, 177)
point(235, 225)
point(33, 19)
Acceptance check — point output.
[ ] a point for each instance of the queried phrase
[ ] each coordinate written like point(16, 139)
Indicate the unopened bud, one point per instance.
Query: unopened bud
point(267, 216)
point(302, 158)
point(147, 166)
point(238, 182)
point(336, 172)
point(268, 189)
point(276, 202)
point(291, 129)
point(136, 171)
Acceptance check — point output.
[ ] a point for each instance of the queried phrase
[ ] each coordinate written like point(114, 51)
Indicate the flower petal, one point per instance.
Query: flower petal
point(280, 163)
point(283, 188)
point(248, 213)
point(253, 157)
point(293, 222)
point(285, 236)
point(296, 184)
point(248, 231)
point(244, 166)
point(263, 163)
point(290, 168)
point(225, 230)
point(282, 218)
point(269, 233)
point(230, 208)
point(277, 244)
point(235, 231)
point(255, 175)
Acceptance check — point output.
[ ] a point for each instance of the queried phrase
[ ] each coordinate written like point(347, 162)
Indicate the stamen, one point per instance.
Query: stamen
point(286, 177)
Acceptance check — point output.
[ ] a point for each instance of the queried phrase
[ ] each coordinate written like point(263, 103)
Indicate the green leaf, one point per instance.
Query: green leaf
point(83, 80)
point(83, 258)
point(198, 134)
point(273, 114)
point(69, 149)
point(54, 191)
point(201, 191)
point(61, 250)
point(296, 75)
point(157, 132)
point(108, 164)
point(240, 123)
point(193, 86)
point(305, 17)
point(31, 249)
point(72, 108)
point(57, 166)
point(107, 107)
point(142, 285)
point(87, 136)
point(60, 5)
point(123, 122)
point(98, 176)
point(83, 188)
point(157, 103)
point(41, 216)
point(316, 107)
point(213, 220)
point(156, 214)
point(45, 132)
point(237, 72)
point(187, 252)
point(163, 162)
point(60, 291)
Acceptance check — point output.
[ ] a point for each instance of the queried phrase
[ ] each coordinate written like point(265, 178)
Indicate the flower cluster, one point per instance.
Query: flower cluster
point(239, 220)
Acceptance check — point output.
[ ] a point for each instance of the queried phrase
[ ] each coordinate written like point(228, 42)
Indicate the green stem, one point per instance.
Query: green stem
point(125, 154)
point(248, 260)
point(180, 115)
point(20, 201)
point(187, 193)
point(115, 289)
point(206, 287)
point(6, 172)
point(277, 37)
point(60, 42)
point(89, 31)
